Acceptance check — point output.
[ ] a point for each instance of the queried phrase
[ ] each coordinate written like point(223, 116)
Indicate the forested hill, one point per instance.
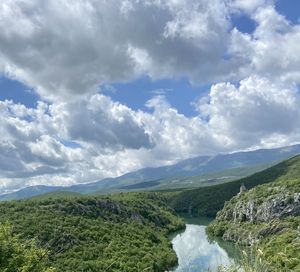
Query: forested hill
point(268, 217)
point(209, 200)
point(125, 232)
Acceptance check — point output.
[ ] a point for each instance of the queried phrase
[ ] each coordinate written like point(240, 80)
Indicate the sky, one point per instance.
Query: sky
point(93, 89)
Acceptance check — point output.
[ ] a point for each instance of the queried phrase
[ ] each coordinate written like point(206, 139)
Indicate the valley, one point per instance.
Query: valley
point(149, 136)
point(130, 231)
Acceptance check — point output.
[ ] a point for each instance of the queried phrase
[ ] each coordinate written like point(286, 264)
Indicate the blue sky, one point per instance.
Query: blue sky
point(290, 9)
point(95, 89)
point(180, 93)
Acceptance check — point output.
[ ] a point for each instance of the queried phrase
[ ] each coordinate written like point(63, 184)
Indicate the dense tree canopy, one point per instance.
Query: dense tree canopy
point(126, 232)
point(21, 255)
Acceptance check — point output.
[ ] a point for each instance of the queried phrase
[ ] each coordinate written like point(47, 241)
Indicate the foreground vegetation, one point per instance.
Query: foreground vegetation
point(21, 255)
point(267, 218)
point(126, 232)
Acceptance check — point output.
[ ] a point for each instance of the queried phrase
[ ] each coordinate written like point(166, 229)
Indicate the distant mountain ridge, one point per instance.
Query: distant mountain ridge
point(198, 166)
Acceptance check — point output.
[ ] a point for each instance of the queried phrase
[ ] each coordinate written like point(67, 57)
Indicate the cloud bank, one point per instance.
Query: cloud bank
point(65, 50)
point(66, 143)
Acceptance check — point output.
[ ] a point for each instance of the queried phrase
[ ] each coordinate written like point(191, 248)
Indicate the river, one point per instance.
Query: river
point(196, 253)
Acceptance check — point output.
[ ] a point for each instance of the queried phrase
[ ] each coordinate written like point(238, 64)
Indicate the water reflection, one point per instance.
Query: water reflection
point(195, 253)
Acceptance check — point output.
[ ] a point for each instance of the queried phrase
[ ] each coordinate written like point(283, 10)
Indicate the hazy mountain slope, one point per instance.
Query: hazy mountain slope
point(199, 181)
point(30, 192)
point(200, 168)
point(267, 216)
point(209, 200)
point(114, 186)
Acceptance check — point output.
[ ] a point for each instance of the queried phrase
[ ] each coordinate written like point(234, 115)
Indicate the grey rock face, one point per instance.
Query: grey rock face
point(235, 237)
point(279, 206)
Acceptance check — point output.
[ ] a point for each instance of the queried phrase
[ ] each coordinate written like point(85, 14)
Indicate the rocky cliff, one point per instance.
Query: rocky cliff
point(276, 206)
point(267, 216)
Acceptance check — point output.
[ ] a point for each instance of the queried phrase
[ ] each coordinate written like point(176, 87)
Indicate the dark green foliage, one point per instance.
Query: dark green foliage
point(126, 232)
point(208, 201)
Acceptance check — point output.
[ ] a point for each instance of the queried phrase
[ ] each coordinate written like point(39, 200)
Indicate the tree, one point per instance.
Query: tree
point(17, 255)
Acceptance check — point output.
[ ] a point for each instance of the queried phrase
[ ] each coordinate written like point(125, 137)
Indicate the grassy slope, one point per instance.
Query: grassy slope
point(209, 200)
point(126, 232)
point(277, 238)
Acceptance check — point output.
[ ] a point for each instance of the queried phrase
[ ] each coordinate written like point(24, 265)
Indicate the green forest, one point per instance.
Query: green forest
point(126, 232)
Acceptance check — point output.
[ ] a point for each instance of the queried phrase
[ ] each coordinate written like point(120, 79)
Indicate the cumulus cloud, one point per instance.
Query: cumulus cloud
point(69, 47)
point(271, 51)
point(59, 142)
point(253, 111)
point(110, 124)
point(66, 48)
point(177, 136)
point(63, 47)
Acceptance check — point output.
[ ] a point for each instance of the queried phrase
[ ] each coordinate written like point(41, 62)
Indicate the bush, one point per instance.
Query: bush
point(19, 255)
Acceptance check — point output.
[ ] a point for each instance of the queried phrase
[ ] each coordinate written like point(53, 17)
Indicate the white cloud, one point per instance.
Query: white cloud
point(175, 135)
point(272, 50)
point(254, 111)
point(110, 124)
point(250, 6)
point(37, 145)
point(34, 143)
point(69, 47)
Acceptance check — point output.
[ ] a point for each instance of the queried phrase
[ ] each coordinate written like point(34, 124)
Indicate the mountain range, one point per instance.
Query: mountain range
point(194, 172)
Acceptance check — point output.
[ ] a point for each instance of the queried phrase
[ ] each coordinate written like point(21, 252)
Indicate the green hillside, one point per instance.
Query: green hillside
point(126, 232)
point(209, 200)
point(267, 217)
point(195, 181)
point(57, 195)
